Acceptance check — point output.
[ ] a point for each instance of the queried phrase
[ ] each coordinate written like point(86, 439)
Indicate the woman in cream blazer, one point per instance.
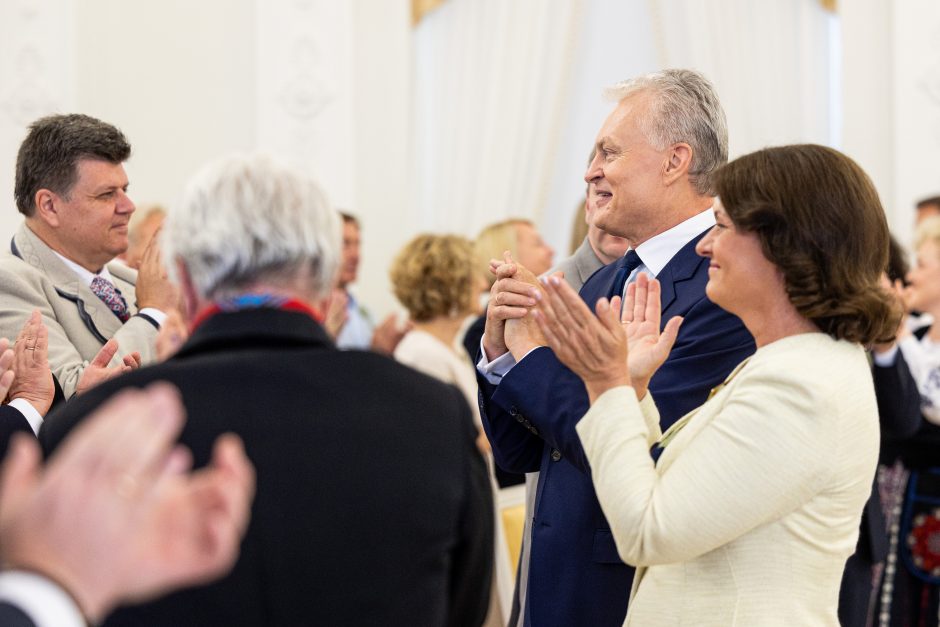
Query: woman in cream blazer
point(745, 511)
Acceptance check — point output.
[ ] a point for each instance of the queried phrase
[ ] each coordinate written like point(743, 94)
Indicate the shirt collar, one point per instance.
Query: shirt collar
point(84, 274)
point(659, 249)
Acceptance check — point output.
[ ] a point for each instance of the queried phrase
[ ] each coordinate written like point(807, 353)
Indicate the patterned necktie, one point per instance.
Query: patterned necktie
point(111, 297)
point(627, 264)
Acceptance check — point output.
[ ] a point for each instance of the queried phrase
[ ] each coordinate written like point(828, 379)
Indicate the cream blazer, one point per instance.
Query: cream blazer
point(754, 506)
point(79, 323)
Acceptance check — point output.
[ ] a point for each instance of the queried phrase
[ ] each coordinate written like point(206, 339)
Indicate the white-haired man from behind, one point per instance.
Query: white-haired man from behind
point(358, 519)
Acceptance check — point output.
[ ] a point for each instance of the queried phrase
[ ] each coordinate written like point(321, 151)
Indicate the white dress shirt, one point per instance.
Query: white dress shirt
point(44, 602)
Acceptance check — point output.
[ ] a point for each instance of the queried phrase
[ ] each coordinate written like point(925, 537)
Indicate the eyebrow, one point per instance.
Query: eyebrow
point(109, 188)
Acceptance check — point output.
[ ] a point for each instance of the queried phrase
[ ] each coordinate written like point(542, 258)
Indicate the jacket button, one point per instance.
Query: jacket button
point(513, 411)
point(556, 454)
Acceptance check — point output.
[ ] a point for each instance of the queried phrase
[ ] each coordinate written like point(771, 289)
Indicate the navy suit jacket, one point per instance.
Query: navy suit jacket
point(12, 616)
point(576, 576)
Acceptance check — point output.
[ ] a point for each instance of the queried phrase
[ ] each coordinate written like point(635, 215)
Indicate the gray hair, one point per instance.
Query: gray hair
point(684, 108)
point(247, 219)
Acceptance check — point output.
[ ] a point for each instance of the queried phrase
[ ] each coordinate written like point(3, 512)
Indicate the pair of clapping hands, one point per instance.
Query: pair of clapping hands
point(25, 366)
point(607, 350)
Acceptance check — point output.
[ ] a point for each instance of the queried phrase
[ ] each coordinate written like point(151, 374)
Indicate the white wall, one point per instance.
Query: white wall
point(37, 76)
point(616, 43)
point(916, 89)
point(892, 100)
point(868, 99)
point(190, 81)
point(173, 78)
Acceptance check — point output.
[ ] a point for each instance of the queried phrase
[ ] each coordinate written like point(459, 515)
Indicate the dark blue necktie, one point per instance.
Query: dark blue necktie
point(627, 264)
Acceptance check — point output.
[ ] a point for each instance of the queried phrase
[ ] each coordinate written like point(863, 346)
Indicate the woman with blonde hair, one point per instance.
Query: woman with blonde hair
point(435, 279)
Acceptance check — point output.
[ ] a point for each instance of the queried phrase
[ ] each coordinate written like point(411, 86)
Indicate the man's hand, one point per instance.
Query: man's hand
point(114, 516)
point(97, 371)
point(387, 335)
point(32, 377)
point(511, 297)
point(153, 288)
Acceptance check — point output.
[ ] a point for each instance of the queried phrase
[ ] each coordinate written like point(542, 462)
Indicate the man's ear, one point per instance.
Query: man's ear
point(191, 301)
point(679, 160)
point(46, 202)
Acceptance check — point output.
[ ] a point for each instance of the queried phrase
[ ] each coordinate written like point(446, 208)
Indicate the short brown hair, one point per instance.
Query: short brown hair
point(348, 218)
point(432, 276)
point(818, 218)
point(931, 201)
point(48, 157)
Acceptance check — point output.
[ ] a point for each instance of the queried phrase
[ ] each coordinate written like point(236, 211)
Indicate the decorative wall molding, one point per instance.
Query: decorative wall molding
point(305, 100)
point(36, 78)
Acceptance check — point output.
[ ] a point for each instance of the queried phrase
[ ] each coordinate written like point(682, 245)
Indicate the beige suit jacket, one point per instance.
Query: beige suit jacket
point(79, 322)
point(754, 506)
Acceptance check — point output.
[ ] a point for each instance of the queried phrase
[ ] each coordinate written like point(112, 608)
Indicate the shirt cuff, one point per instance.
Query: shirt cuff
point(155, 314)
point(494, 371)
point(887, 358)
point(44, 602)
point(32, 415)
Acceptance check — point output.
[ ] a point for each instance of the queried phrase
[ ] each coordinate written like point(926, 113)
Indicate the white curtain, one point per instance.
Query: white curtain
point(770, 61)
point(491, 85)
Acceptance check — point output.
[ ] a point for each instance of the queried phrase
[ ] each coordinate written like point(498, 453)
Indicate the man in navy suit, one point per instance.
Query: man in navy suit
point(656, 153)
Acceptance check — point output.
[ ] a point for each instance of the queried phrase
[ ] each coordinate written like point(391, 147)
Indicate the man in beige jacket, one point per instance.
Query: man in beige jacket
point(72, 189)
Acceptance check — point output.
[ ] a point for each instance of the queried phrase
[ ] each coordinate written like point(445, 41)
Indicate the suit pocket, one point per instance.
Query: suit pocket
point(605, 549)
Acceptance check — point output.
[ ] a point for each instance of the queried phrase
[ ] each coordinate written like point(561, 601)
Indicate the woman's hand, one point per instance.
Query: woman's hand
point(606, 351)
point(648, 347)
point(595, 348)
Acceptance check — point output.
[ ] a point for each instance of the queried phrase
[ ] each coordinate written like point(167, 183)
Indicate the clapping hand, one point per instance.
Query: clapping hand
point(98, 371)
point(32, 377)
point(514, 293)
point(607, 350)
point(115, 516)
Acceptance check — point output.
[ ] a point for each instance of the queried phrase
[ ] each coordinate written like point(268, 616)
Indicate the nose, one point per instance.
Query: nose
point(594, 171)
point(125, 204)
point(704, 246)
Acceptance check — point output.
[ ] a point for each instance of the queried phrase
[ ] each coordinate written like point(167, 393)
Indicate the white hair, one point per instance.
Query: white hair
point(246, 219)
point(684, 108)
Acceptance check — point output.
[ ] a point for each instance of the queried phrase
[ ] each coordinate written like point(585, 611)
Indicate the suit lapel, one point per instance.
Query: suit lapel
point(598, 285)
point(678, 271)
point(99, 319)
